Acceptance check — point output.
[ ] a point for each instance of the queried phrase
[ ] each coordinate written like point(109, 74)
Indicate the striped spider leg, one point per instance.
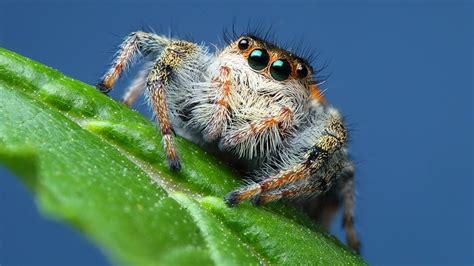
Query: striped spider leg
point(167, 56)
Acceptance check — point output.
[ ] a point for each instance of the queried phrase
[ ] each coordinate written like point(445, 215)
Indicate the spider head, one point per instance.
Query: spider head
point(271, 61)
point(262, 66)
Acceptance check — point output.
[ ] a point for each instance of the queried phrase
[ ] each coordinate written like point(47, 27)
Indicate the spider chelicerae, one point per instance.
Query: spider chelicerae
point(254, 101)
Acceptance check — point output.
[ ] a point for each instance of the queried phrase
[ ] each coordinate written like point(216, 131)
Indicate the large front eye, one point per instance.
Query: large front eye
point(280, 69)
point(258, 59)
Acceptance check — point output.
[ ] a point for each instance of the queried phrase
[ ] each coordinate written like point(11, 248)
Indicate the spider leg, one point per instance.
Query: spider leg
point(346, 183)
point(135, 44)
point(220, 115)
point(330, 141)
point(307, 187)
point(323, 208)
point(304, 188)
point(280, 121)
point(157, 81)
point(136, 88)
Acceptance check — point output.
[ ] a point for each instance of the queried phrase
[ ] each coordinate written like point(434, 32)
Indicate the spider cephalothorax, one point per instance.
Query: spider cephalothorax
point(253, 101)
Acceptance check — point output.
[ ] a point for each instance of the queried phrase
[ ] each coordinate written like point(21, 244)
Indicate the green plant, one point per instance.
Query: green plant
point(99, 165)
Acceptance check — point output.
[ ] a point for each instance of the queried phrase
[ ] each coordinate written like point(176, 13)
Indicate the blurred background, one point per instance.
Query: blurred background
point(401, 72)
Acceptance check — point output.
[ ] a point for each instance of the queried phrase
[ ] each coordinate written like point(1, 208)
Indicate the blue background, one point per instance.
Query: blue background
point(400, 71)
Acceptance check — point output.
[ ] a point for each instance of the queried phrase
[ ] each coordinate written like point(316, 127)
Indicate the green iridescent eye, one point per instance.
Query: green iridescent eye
point(258, 59)
point(280, 69)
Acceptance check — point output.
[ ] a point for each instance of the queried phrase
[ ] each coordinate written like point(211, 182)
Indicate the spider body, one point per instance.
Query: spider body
point(252, 100)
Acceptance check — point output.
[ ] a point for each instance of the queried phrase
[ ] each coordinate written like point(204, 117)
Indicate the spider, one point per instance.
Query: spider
point(253, 101)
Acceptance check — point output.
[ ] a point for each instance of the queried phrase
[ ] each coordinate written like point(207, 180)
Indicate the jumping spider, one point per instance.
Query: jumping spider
point(252, 100)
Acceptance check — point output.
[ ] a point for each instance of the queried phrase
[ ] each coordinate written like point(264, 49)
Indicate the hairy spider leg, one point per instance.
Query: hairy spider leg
point(332, 140)
point(157, 81)
point(346, 180)
point(135, 88)
point(280, 121)
point(136, 44)
point(221, 115)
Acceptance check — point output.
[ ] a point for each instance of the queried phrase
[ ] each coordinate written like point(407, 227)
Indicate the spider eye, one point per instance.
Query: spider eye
point(258, 59)
point(280, 69)
point(301, 71)
point(244, 44)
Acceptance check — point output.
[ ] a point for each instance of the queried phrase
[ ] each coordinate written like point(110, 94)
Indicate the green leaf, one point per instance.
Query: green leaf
point(99, 165)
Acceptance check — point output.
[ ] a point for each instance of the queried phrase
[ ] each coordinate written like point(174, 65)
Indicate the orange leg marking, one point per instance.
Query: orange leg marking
point(279, 180)
point(161, 110)
point(316, 94)
point(282, 120)
point(220, 116)
point(286, 193)
point(289, 176)
point(128, 50)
